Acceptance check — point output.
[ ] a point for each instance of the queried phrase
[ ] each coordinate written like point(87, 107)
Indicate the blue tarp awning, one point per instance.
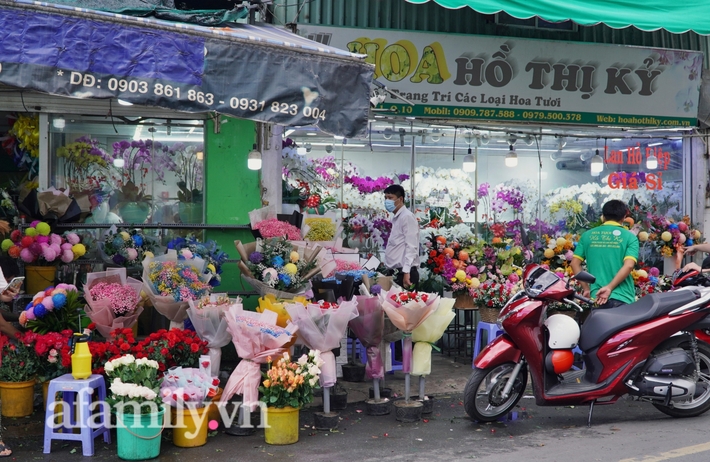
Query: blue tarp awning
point(253, 72)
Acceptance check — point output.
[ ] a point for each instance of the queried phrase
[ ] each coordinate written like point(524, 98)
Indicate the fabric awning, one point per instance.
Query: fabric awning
point(648, 15)
point(252, 72)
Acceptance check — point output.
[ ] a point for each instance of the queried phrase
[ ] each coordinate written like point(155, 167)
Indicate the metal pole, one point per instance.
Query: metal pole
point(411, 178)
point(326, 400)
point(422, 381)
point(376, 388)
point(475, 194)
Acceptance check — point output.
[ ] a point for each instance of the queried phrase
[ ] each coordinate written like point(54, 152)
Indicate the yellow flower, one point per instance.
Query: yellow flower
point(125, 235)
point(294, 257)
point(290, 268)
point(148, 253)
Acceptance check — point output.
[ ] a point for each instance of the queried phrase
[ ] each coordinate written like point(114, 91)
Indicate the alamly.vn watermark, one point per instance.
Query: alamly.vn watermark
point(64, 417)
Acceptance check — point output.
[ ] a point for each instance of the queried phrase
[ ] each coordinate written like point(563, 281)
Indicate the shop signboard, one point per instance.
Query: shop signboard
point(259, 73)
point(449, 76)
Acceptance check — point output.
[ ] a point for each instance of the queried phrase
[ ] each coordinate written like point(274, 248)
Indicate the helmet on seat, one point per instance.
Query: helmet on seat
point(564, 332)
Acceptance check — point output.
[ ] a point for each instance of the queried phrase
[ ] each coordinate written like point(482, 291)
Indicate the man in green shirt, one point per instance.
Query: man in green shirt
point(611, 252)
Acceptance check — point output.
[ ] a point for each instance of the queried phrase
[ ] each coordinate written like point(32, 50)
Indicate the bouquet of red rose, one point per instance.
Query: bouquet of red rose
point(172, 348)
point(54, 354)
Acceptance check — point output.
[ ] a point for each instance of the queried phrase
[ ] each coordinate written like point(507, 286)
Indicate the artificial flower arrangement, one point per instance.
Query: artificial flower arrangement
point(85, 164)
point(187, 386)
point(288, 383)
point(556, 252)
point(40, 246)
point(170, 282)
point(666, 235)
point(272, 227)
point(190, 247)
point(648, 280)
point(54, 354)
point(207, 316)
point(134, 385)
point(189, 170)
point(53, 310)
point(320, 229)
point(19, 359)
point(495, 292)
point(113, 299)
point(126, 247)
point(274, 264)
point(172, 348)
point(139, 158)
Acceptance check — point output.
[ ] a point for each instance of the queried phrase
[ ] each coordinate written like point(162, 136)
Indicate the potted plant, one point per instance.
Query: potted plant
point(188, 167)
point(41, 251)
point(134, 396)
point(172, 348)
point(18, 372)
point(287, 387)
point(54, 309)
point(85, 166)
point(133, 160)
point(54, 356)
point(186, 391)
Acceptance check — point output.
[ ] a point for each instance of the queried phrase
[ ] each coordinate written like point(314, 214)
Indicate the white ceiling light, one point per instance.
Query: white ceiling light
point(485, 138)
point(511, 159)
point(469, 162)
point(652, 162)
point(435, 135)
point(597, 165)
point(59, 123)
point(200, 155)
point(254, 159)
point(123, 102)
point(387, 134)
point(119, 163)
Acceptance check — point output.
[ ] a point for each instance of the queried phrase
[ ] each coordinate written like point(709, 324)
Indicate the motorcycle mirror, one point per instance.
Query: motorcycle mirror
point(583, 276)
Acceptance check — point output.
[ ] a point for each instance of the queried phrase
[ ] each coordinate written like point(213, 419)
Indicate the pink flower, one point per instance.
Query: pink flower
point(30, 314)
point(49, 254)
point(65, 246)
point(654, 272)
point(131, 253)
point(55, 239)
point(73, 238)
point(185, 253)
point(67, 256)
point(27, 256)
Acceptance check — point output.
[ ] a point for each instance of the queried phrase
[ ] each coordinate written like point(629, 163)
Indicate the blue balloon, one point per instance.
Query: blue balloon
point(673, 226)
point(138, 240)
point(689, 242)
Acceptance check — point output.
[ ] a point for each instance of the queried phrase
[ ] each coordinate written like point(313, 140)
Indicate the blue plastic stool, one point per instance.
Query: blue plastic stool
point(360, 350)
point(490, 329)
point(396, 365)
point(81, 391)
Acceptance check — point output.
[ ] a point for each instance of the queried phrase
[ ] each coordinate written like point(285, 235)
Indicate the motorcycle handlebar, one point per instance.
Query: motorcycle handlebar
point(584, 299)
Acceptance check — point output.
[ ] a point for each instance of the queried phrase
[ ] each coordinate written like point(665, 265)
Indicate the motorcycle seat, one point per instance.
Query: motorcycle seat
point(603, 323)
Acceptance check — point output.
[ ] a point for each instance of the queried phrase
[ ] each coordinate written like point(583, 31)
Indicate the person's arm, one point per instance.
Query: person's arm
point(604, 293)
point(7, 328)
point(691, 249)
point(576, 268)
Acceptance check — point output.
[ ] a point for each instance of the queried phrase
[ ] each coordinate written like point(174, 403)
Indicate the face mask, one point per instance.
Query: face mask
point(389, 205)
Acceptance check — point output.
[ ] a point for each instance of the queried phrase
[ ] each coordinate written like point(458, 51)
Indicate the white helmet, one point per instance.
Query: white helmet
point(564, 331)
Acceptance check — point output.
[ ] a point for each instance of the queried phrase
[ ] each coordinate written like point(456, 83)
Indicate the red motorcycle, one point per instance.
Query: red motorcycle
point(645, 349)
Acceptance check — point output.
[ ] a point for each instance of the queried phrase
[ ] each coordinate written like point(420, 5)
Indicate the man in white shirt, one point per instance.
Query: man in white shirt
point(402, 251)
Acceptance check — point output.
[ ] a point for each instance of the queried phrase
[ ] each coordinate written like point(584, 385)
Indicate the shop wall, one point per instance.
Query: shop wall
point(231, 190)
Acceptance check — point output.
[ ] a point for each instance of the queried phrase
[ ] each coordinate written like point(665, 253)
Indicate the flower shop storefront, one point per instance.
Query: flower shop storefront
point(510, 151)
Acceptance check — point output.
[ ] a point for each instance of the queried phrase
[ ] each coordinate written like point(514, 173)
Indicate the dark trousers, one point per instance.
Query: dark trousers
point(399, 276)
point(611, 303)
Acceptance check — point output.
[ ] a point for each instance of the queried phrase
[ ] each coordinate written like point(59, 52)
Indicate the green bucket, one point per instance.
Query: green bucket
point(138, 435)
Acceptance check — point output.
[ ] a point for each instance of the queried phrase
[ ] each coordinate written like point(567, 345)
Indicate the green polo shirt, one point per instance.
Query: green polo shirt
point(605, 248)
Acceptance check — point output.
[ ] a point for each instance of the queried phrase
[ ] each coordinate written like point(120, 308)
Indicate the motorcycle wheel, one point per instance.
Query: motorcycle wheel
point(482, 399)
point(701, 404)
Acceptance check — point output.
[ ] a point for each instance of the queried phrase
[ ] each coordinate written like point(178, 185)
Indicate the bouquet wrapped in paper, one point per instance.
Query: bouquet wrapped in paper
point(368, 327)
point(257, 339)
point(125, 247)
point(320, 327)
point(271, 303)
point(208, 318)
point(182, 386)
point(407, 310)
point(274, 266)
point(428, 333)
point(170, 283)
point(113, 300)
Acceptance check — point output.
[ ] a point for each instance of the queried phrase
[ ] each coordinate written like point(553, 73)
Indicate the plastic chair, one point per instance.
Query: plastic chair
point(491, 331)
point(80, 391)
